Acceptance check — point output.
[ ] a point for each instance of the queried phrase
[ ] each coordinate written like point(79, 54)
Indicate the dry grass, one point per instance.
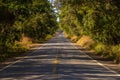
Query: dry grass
point(66, 35)
point(85, 41)
point(25, 41)
point(74, 38)
point(111, 52)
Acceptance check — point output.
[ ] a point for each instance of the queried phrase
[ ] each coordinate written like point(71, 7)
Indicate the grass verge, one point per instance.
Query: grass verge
point(111, 52)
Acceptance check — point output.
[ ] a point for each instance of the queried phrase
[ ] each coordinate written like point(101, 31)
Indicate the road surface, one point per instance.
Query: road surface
point(58, 59)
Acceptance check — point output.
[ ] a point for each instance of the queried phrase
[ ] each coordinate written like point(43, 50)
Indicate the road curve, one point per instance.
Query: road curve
point(58, 59)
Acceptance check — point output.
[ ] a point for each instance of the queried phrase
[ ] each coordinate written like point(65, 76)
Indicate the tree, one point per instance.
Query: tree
point(32, 18)
point(96, 18)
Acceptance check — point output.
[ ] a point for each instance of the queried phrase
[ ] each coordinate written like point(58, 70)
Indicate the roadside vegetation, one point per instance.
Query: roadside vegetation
point(93, 24)
point(23, 22)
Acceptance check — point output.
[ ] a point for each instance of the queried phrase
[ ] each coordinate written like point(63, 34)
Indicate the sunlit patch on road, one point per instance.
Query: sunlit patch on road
point(58, 59)
point(55, 61)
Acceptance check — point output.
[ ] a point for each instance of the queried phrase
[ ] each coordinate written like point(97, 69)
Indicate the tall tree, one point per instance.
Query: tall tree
point(33, 18)
point(96, 18)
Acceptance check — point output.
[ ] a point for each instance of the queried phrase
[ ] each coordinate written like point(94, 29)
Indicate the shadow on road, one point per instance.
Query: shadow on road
point(73, 64)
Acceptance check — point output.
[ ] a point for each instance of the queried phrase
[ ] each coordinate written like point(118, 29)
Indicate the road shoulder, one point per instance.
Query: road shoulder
point(106, 62)
point(12, 60)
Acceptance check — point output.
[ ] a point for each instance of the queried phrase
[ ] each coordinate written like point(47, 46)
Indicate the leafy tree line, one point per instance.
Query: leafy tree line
point(32, 18)
point(99, 19)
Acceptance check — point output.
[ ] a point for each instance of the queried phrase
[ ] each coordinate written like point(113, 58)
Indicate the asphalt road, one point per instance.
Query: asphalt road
point(58, 59)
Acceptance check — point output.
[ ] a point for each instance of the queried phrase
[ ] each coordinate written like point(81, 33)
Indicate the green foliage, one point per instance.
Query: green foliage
point(111, 52)
point(99, 19)
point(115, 52)
point(32, 18)
point(100, 49)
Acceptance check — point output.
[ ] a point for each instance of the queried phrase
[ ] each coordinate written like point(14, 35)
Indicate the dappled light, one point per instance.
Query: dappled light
point(61, 60)
point(52, 39)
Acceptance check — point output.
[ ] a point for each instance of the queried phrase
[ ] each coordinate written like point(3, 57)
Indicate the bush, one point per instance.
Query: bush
point(116, 53)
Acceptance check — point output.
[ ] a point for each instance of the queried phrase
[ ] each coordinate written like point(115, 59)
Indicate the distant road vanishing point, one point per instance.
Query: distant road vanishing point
point(57, 59)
